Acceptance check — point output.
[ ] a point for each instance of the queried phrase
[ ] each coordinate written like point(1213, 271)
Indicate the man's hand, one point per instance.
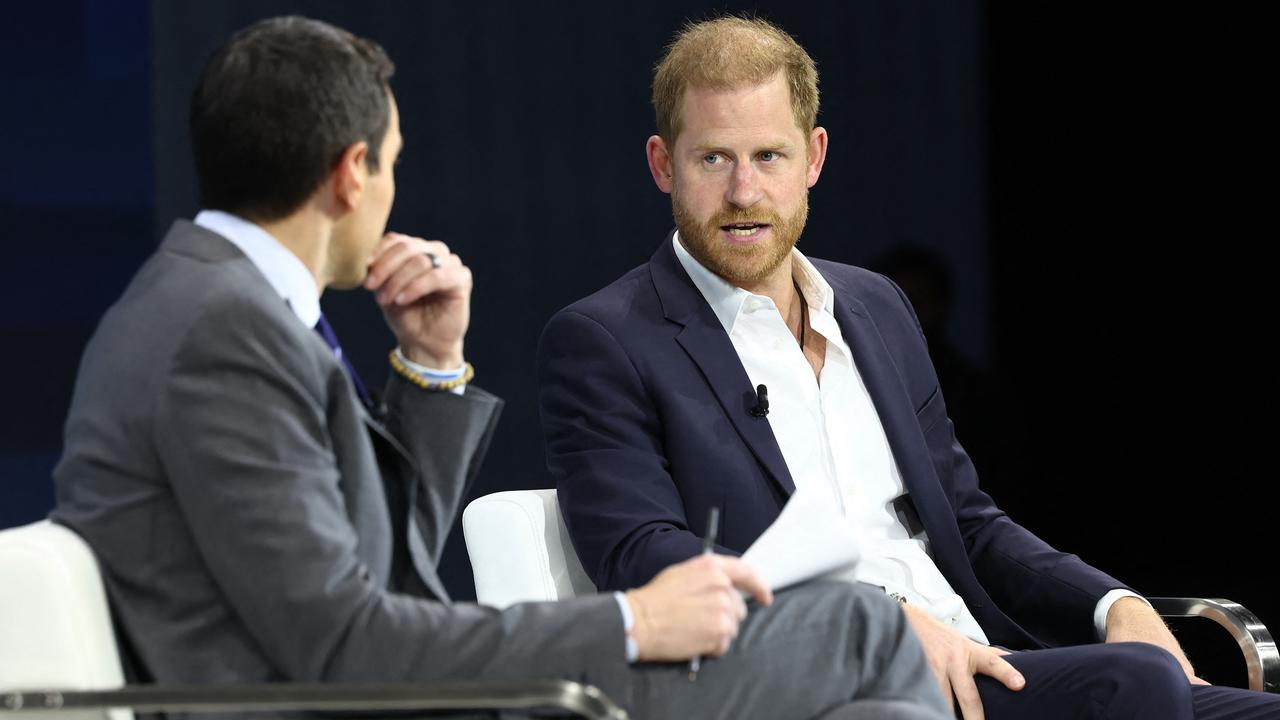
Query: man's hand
point(955, 659)
point(693, 608)
point(1132, 620)
point(428, 308)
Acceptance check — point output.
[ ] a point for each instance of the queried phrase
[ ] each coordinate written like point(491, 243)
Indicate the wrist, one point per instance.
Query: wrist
point(436, 358)
point(640, 627)
point(1102, 611)
point(1127, 609)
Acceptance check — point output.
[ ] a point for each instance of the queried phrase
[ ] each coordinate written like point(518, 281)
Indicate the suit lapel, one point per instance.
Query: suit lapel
point(377, 431)
point(893, 405)
point(399, 475)
point(897, 415)
point(703, 338)
point(395, 464)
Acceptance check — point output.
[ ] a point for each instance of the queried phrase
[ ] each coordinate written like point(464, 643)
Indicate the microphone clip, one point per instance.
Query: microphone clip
point(761, 408)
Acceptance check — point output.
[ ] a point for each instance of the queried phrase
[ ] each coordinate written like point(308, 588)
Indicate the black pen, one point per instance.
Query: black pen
point(708, 547)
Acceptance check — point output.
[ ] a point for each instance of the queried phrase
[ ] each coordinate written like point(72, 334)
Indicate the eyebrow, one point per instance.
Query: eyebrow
point(776, 144)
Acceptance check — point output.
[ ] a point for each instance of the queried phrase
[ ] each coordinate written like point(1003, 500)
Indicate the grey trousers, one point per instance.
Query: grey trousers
point(822, 650)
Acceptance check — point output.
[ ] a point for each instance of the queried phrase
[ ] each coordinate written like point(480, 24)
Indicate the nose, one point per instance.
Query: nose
point(744, 186)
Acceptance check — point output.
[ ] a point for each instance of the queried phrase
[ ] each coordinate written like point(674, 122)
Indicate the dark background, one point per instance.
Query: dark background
point(1098, 184)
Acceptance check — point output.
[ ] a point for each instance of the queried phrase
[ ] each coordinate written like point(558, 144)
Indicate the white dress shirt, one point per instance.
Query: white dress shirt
point(831, 438)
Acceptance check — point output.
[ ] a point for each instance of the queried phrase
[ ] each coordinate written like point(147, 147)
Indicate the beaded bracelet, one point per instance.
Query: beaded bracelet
point(408, 373)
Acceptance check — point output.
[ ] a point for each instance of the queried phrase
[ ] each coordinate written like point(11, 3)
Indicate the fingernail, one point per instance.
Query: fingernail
point(1019, 681)
point(400, 299)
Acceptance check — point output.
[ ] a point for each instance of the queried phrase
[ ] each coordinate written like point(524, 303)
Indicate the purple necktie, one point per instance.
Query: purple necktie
point(326, 331)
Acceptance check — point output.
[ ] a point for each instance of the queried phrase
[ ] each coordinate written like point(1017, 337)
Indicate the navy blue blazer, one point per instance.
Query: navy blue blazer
point(645, 410)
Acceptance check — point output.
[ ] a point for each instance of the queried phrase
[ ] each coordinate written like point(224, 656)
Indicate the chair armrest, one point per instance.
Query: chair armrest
point(582, 700)
point(1260, 655)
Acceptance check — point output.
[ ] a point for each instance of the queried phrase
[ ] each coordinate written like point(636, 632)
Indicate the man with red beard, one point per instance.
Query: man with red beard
point(730, 370)
point(259, 518)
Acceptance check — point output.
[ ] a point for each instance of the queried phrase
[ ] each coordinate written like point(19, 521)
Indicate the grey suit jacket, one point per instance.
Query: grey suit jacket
point(254, 523)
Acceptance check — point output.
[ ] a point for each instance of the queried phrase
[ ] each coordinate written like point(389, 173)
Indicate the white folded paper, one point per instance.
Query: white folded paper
point(808, 540)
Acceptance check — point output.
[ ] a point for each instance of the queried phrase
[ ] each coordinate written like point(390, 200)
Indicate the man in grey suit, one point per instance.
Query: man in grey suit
point(259, 517)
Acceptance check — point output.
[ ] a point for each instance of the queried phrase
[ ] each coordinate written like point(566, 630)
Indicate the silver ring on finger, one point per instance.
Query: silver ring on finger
point(434, 258)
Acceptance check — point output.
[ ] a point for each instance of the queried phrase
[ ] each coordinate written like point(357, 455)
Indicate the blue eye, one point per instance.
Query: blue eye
point(711, 159)
point(768, 156)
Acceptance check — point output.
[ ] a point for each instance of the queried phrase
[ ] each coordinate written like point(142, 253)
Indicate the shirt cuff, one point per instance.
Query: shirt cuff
point(628, 622)
point(1104, 607)
point(434, 375)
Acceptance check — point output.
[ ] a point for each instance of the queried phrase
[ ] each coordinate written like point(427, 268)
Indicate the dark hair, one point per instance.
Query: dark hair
point(276, 107)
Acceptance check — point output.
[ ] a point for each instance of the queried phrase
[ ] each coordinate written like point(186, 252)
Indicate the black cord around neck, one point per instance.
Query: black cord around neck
point(804, 313)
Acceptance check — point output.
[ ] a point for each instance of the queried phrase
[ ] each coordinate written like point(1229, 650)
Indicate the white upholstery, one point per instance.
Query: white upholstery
point(55, 629)
point(520, 549)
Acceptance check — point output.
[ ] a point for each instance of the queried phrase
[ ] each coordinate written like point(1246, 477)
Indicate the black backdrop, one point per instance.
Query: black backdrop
point(1133, 202)
point(1100, 187)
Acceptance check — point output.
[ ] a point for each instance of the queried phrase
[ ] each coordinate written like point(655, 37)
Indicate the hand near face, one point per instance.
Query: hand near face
point(693, 608)
point(427, 307)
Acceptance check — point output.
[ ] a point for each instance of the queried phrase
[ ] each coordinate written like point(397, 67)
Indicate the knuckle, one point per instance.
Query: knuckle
point(399, 280)
point(420, 283)
point(726, 627)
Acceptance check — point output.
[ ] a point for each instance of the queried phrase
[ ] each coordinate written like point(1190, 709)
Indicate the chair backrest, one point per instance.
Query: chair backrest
point(55, 629)
point(520, 549)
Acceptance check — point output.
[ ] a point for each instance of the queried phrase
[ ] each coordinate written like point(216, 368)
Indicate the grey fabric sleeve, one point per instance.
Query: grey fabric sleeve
point(245, 445)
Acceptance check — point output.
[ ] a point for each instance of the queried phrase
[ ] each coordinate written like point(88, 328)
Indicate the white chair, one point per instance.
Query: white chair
point(520, 549)
point(55, 629)
point(59, 660)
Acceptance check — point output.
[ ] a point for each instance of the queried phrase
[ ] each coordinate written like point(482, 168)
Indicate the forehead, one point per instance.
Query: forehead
point(394, 121)
point(744, 111)
point(392, 139)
